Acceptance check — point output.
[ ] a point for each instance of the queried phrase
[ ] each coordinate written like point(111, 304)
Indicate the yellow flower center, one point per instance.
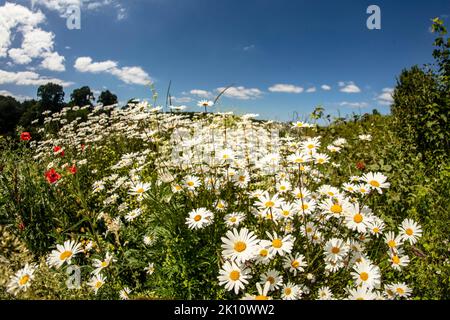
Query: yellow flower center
point(305, 206)
point(104, 264)
point(242, 178)
point(220, 205)
point(335, 250)
point(23, 281)
point(392, 244)
point(330, 193)
point(287, 291)
point(395, 259)
point(409, 232)
point(309, 230)
point(269, 204)
point(360, 298)
point(140, 190)
point(261, 298)
point(336, 208)
point(358, 218)
point(400, 291)
point(321, 160)
point(240, 246)
point(197, 218)
point(65, 255)
point(235, 275)
point(285, 213)
point(277, 243)
point(98, 284)
point(263, 253)
point(376, 230)
point(190, 183)
point(271, 280)
point(364, 276)
point(374, 183)
point(233, 219)
point(282, 187)
point(299, 195)
point(178, 188)
point(310, 146)
point(295, 264)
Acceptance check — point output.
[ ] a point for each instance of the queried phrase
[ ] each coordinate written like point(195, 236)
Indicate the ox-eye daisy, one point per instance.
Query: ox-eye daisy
point(366, 274)
point(273, 277)
point(234, 219)
point(335, 249)
point(410, 231)
point(191, 182)
point(233, 277)
point(63, 253)
point(296, 263)
point(96, 282)
point(139, 189)
point(199, 218)
point(361, 293)
point(99, 265)
point(279, 245)
point(358, 218)
point(262, 292)
point(324, 293)
point(398, 259)
point(21, 280)
point(376, 181)
point(239, 245)
point(290, 291)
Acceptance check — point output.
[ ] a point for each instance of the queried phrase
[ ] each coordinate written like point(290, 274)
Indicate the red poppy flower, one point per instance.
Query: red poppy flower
point(21, 226)
point(25, 136)
point(72, 169)
point(58, 150)
point(360, 165)
point(52, 176)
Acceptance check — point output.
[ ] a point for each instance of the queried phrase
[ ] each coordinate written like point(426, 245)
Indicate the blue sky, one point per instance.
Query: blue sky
point(281, 56)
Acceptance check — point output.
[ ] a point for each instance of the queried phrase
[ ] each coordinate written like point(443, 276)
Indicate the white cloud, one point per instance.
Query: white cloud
point(354, 104)
point(385, 98)
point(130, 75)
point(349, 87)
point(241, 93)
point(29, 78)
point(54, 62)
point(62, 6)
point(12, 16)
point(17, 97)
point(181, 99)
point(36, 43)
point(325, 87)
point(250, 47)
point(287, 88)
point(311, 90)
point(201, 93)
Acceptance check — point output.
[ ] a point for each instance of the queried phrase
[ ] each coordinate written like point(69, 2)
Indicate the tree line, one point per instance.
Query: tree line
point(14, 113)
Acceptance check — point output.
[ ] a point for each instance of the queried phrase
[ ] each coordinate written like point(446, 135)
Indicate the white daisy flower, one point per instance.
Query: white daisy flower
point(64, 253)
point(239, 246)
point(233, 277)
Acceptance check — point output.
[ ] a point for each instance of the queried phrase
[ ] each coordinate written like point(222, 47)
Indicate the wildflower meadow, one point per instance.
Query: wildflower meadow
point(150, 202)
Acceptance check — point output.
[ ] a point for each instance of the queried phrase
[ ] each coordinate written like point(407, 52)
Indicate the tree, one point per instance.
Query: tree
point(107, 98)
point(9, 114)
point(51, 97)
point(82, 97)
point(421, 107)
